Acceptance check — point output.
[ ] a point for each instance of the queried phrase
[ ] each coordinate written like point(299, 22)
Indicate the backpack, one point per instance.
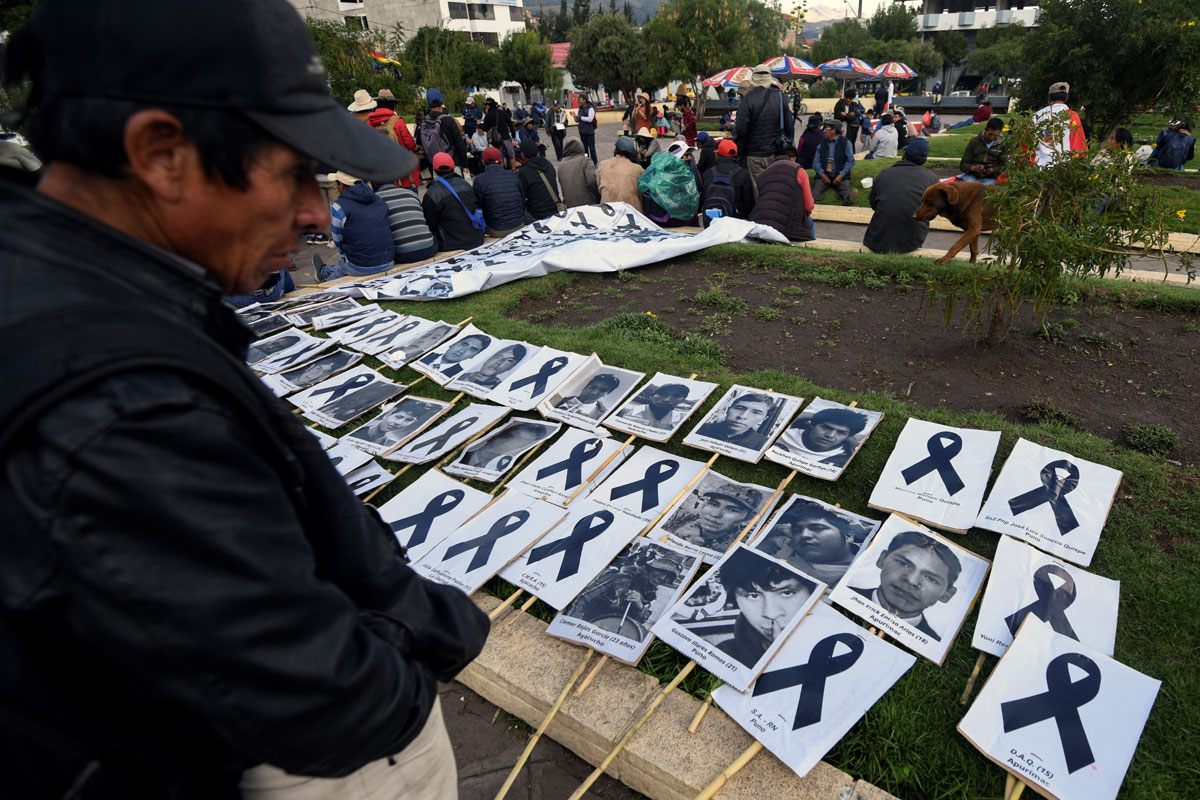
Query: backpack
point(432, 137)
point(719, 197)
point(389, 128)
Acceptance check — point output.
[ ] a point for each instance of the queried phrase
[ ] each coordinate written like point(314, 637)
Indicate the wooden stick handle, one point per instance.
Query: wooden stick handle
point(1016, 792)
point(620, 745)
point(533, 740)
point(966, 695)
point(517, 615)
point(1010, 781)
point(733, 769)
point(700, 714)
point(512, 598)
point(586, 682)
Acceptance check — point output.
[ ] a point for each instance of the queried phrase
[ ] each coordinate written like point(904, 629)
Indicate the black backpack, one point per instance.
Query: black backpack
point(719, 197)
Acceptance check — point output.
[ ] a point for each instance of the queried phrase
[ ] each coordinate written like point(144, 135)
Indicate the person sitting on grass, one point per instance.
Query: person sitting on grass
point(501, 195)
point(982, 114)
point(983, 159)
point(832, 163)
point(895, 197)
point(883, 144)
point(785, 200)
point(360, 231)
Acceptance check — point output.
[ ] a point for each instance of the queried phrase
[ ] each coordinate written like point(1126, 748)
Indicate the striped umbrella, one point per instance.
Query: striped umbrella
point(895, 70)
point(730, 78)
point(787, 68)
point(847, 68)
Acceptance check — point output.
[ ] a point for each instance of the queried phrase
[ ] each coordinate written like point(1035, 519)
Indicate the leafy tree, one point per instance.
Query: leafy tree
point(627, 10)
point(527, 60)
point(999, 49)
point(349, 65)
point(609, 51)
point(919, 55)
point(581, 11)
point(480, 65)
point(844, 38)
point(952, 46)
point(893, 21)
point(15, 13)
point(765, 26)
point(1118, 56)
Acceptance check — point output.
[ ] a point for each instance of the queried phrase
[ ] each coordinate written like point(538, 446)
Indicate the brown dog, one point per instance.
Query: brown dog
point(965, 204)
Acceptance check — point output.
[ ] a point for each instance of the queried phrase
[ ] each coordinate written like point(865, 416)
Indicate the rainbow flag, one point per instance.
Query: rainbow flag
point(382, 59)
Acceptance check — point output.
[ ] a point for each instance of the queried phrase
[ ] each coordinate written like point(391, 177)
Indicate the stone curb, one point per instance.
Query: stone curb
point(522, 670)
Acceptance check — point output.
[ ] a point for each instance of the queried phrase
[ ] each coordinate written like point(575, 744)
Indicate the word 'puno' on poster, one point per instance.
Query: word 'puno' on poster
point(713, 514)
point(733, 622)
point(430, 509)
point(1052, 500)
point(487, 370)
point(937, 474)
point(541, 374)
point(397, 424)
point(614, 613)
point(1061, 716)
point(479, 549)
point(823, 439)
point(817, 687)
point(449, 434)
point(647, 484)
point(816, 538)
point(561, 471)
point(1026, 582)
point(590, 394)
point(744, 422)
point(913, 584)
point(489, 458)
point(660, 408)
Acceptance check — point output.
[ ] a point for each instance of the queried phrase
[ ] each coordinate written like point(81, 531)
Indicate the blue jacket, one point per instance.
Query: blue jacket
point(1174, 150)
point(366, 237)
point(843, 157)
point(501, 195)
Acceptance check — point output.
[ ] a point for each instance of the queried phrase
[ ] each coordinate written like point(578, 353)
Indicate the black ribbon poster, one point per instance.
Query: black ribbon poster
point(822, 664)
point(580, 454)
point(423, 520)
point(482, 545)
point(540, 378)
point(656, 474)
point(1051, 602)
point(1054, 492)
point(1061, 702)
point(942, 448)
point(337, 391)
point(585, 530)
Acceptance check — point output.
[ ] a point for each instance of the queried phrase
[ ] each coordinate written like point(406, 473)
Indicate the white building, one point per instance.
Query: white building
point(483, 22)
point(968, 17)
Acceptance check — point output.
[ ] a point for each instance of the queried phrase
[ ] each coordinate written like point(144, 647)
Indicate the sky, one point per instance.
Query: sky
point(835, 9)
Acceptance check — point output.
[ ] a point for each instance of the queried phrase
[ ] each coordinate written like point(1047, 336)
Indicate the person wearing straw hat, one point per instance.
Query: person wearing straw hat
point(363, 104)
point(193, 604)
point(648, 146)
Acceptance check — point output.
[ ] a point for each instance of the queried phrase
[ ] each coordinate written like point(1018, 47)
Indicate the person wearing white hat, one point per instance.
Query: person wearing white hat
point(361, 232)
point(648, 146)
point(363, 104)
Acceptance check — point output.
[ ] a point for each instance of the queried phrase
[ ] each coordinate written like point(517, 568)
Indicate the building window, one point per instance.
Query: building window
point(458, 10)
point(516, 13)
point(490, 39)
point(357, 23)
point(481, 11)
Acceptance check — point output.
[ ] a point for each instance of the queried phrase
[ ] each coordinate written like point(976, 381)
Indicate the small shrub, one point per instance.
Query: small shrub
point(1100, 340)
point(1051, 331)
point(799, 320)
point(538, 291)
point(718, 298)
point(1157, 440)
point(1163, 392)
point(1187, 327)
point(693, 345)
point(824, 343)
point(796, 291)
point(783, 302)
point(836, 324)
point(612, 291)
point(765, 314)
point(873, 281)
point(717, 325)
point(1042, 410)
point(543, 315)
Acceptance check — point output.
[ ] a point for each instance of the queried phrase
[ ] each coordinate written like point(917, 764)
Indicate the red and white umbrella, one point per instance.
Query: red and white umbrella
point(847, 68)
point(787, 68)
point(895, 70)
point(730, 78)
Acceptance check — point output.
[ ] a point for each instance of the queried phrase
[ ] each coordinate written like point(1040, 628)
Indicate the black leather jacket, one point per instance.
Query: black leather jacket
point(757, 130)
point(187, 587)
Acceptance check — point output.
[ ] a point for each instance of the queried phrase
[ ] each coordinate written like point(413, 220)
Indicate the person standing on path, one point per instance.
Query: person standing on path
point(764, 127)
point(586, 117)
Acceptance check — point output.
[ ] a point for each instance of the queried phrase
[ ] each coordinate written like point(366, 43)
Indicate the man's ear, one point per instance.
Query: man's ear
point(160, 156)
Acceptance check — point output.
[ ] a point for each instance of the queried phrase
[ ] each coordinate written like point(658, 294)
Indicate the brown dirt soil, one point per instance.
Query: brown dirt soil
point(1112, 367)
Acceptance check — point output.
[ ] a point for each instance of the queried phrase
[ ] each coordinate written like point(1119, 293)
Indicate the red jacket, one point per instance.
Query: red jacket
point(392, 124)
point(982, 114)
point(689, 126)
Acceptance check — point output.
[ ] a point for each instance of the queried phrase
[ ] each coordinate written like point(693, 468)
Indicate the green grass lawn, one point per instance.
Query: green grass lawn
point(907, 743)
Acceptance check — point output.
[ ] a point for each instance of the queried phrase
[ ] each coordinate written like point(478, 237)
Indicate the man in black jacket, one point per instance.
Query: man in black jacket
point(727, 187)
point(192, 602)
point(542, 195)
point(764, 127)
point(895, 197)
point(448, 213)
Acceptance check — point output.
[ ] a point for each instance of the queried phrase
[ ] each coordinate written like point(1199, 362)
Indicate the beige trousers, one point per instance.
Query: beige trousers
point(756, 165)
point(424, 770)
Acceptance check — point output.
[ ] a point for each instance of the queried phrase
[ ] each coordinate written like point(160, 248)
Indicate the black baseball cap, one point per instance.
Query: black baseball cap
point(251, 56)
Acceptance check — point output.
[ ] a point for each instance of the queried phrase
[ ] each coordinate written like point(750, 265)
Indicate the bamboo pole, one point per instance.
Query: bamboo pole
point(700, 714)
point(533, 740)
point(517, 614)
point(1016, 792)
point(1010, 781)
point(620, 745)
point(586, 682)
point(966, 695)
point(512, 598)
point(727, 773)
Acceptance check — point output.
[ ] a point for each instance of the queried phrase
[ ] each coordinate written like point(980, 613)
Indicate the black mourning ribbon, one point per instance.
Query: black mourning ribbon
point(387, 337)
point(1062, 701)
point(822, 664)
point(299, 354)
point(573, 464)
point(1050, 603)
point(571, 546)
point(423, 520)
point(648, 484)
point(335, 392)
point(942, 448)
point(482, 545)
point(436, 443)
point(1046, 493)
point(366, 327)
point(539, 379)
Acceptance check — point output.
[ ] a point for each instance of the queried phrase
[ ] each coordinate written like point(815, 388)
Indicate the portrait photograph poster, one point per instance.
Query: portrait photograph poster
point(713, 514)
point(388, 339)
point(267, 325)
point(444, 362)
point(1052, 500)
point(823, 439)
point(494, 454)
point(420, 340)
point(490, 368)
point(614, 613)
point(647, 483)
point(335, 319)
point(1026, 582)
point(562, 469)
point(275, 344)
point(537, 377)
point(816, 688)
point(294, 357)
point(567, 558)
point(312, 373)
point(311, 306)
point(398, 423)
point(335, 387)
point(1061, 716)
point(743, 423)
point(590, 394)
point(366, 328)
point(429, 509)
point(820, 540)
point(352, 405)
point(449, 433)
point(914, 585)
point(660, 408)
point(479, 549)
point(733, 622)
point(368, 477)
point(937, 474)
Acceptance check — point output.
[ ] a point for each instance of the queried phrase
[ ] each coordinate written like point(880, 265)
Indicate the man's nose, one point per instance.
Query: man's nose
point(312, 214)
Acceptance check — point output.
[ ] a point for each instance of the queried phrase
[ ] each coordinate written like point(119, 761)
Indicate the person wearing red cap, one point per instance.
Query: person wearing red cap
point(449, 204)
point(501, 195)
point(728, 190)
point(193, 603)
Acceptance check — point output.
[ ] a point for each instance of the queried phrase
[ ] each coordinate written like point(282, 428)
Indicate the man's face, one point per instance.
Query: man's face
point(461, 351)
point(825, 435)
point(398, 420)
point(990, 135)
point(663, 400)
point(818, 541)
point(512, 441)
point(745, 415)
point(770, 609)
point(912, 579)
point(596, 388)
point(830, 134)
point(505, 360)
point(719, 513)
point(244, 236)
